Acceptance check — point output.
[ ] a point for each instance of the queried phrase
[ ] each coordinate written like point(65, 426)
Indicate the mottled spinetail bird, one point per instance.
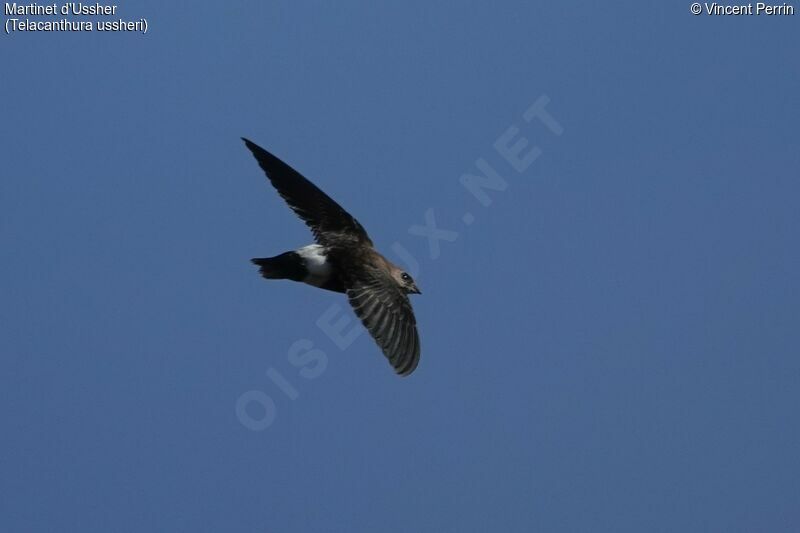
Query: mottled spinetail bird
point(344, 260)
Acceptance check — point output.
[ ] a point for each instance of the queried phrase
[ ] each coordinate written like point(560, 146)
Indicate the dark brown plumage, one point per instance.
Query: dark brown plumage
point(344, 260)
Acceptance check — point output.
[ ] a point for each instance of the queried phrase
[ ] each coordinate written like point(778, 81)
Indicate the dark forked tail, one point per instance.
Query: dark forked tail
point(288, 265)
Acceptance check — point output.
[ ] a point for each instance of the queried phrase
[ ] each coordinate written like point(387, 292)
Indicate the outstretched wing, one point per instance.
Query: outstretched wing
point(387, 314)
point(330, 224)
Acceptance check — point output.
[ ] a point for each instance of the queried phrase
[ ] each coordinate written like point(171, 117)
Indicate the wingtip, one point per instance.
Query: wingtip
point(407, 368)
point(256, 150)
point(404, 373)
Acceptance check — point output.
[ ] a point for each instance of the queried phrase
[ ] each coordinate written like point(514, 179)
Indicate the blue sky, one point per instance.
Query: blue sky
point(611, 345)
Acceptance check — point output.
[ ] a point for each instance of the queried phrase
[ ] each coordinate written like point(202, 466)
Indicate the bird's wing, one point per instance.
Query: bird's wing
point(387, 314)
point(330, 224)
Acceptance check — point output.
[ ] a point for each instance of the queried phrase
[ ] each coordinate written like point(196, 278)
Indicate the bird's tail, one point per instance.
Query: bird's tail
point(288, 265)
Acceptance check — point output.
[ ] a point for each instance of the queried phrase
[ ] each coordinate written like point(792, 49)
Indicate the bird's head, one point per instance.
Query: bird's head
point(406, 282)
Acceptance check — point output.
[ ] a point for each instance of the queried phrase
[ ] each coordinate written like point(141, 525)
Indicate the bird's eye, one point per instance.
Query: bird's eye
point(405, 277)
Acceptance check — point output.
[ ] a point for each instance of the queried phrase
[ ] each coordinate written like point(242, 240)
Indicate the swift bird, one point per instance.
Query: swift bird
point(344, 260)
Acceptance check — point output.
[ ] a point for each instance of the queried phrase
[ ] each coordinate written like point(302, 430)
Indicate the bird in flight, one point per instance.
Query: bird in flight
point(343, 259)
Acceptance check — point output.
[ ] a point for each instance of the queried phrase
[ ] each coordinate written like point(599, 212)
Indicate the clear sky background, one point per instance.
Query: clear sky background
point(611, 345)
